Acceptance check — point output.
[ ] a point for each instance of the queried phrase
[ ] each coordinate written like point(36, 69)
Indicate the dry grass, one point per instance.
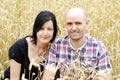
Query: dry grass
point(74, 72)
point(17, 17)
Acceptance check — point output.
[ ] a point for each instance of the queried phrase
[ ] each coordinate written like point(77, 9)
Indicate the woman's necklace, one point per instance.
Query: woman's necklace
point(41, 57)
point(44, 54)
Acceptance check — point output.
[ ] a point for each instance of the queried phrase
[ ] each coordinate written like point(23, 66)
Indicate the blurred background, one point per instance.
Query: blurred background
point(17, 18)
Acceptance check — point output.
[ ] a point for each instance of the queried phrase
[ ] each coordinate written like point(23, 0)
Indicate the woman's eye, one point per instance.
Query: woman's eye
point(50, 28)
point(42, 29)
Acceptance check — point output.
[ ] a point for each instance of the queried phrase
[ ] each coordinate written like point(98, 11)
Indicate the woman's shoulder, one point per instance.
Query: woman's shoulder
point(22, 42)
point(18, 50)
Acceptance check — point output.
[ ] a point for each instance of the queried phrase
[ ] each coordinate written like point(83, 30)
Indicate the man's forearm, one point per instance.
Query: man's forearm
point(109, 77)
point(48, 75)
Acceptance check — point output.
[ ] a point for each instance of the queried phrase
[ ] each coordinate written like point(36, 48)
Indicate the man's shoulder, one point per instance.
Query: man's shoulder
point(93, 40)
point(62, 39)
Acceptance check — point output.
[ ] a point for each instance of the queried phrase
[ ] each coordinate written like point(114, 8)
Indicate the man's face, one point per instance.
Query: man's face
point(76, 26)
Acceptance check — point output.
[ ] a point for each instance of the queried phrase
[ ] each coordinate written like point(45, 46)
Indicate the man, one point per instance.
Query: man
point(92, 52)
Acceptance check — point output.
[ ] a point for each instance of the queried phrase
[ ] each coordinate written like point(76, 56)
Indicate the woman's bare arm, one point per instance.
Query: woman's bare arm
point(15, 69)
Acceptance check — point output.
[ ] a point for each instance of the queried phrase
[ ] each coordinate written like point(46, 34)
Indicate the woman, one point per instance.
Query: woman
point(34, 47)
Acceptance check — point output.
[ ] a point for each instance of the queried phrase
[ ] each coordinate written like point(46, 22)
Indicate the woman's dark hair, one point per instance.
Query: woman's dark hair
point(40, 20)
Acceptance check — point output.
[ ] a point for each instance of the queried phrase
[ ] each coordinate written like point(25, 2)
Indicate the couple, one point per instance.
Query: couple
point(41, 47)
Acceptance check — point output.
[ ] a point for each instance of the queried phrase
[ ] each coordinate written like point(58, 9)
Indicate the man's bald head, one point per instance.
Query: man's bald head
point(76, 12)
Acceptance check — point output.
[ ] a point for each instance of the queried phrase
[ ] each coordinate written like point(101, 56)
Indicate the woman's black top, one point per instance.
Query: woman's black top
point(19, 52)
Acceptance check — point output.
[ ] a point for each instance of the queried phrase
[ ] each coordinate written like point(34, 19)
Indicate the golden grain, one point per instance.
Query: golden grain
point(17, 18)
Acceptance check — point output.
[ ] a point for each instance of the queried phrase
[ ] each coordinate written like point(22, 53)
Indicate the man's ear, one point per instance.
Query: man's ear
point(87, 22)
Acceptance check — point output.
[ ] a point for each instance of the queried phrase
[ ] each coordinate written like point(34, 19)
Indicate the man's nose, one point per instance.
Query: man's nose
point(74, 27)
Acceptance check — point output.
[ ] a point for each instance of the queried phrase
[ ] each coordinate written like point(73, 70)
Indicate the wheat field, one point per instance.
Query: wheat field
point(17, 18)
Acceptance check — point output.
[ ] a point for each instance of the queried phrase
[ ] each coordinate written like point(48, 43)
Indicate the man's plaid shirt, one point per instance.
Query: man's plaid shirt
point(92, 53)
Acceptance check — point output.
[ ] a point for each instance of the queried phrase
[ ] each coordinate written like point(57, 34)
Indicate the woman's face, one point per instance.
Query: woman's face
point(45, 34)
